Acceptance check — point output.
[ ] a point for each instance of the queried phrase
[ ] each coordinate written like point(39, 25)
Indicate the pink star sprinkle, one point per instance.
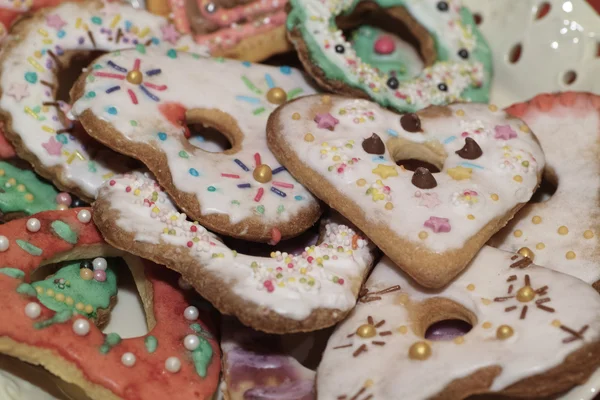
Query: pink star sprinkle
point(53, 146)
point(169, 33)
point(55, 21)
point(18, 90)
point(504, 132)
point(326, 121)
point(438, 224)
point(429, 200)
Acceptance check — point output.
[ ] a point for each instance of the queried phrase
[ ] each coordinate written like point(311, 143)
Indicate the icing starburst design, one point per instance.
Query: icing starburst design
point(135, 77)
point(524, 295)
point(266, 98)
point(365, 333)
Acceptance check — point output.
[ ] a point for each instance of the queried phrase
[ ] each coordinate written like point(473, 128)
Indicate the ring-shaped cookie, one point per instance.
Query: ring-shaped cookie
point(458, 59)
point(242, 192)
point(42, 44)
point(535, 333)
point(280, 294)
point(161, 364)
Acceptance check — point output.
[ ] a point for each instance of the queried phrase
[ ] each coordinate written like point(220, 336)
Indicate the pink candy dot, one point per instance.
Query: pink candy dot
point(64, 198)
point(384, 45)
point(100, 275)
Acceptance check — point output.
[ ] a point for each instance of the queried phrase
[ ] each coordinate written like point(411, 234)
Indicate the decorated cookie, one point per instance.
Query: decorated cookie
point(562, 232)
point(45, 322)
point(139, 105)
point(457, 58)
point(536, 333)
point(481, 167)
point(282, 293)
point(42, 45)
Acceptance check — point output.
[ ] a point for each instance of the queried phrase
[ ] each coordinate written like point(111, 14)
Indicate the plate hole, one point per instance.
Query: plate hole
point(447, 329)
point(208, 139)
point(543, 10)
point(515, 53)
point(569, 77)
point(478, 18)
point(412, 164)
point(547, 188)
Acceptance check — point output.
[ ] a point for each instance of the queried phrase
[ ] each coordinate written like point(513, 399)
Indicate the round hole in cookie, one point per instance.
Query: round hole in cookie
point(411, 155)
point(542, 10)
point(412, 164)
point(569, 77)
point(426, 315)
point(208, 139)
point(70, 64)
point(515, 52)
point(547, 187)
point(447, 329)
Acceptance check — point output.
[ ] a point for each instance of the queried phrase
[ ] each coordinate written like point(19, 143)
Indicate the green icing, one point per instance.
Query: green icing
point(64, 232)
point(26, 289)
point(202, 357)
point(58, 318)
point(110, 341)
point(68, 282)
point(14, 197)
point(151, 344)
point(28, 247)
point(12, 272)
point(198, 329)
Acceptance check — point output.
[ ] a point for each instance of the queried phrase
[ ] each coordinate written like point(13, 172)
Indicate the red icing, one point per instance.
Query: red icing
point(175, 113)
point(6, 149)
point(148, 378)
point(545, 102)
point(384, 45)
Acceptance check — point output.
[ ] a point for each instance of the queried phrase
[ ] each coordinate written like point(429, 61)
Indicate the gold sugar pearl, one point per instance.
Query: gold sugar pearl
point(295, 116)
point(493, 107)
point(135, 77)
point(39, 290)
point(2, 172)
point(494, 196)
point(402, 330)
point(326, 99)
point(361, 182)
point(540, 246)
point(62, 207)
point(262, 173)
point(423, 235)
point(563, 230)
point(309, 137)
point(59, 297)
point(69, 301)
point(366, 331)
point(471, 217)
point(524, 128)
point(86, 274)
point(419, 351)
point(29, 197)
point(486, 325)
point(21, 188)
point(485, 301)
point(470, 287)
point(525, 294)
point(460, 113)
point(588, 234)
point(536, 219)
point(504, 332)
point(459, 340)
point(526, 252)
point(277, 96)
point(518, 178)
point(570, 255)
point(518, 233)
point(79, 306)
point(88, 309)
point(389, 206)
point(50, 293)
point(556, 323)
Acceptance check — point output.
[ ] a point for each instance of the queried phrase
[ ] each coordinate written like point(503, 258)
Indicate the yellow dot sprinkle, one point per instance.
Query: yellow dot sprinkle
point(402, 329)
point(536, 219)
point(89, 309)
point(493, 107)
point(563, 230)
point(295, 116)
point(60, 297)
point(50, 292)
point(495, 197)
point(460, 113)
point(485, 301)
point(423, 235)
point(309, 137)
point(570, 255)
point(518, 233)
point(486, 325)
point(524, 128)
point(80, 306)
point(402, 299)
point(361, 182)
point(39, 290)
point(389, 206)
point(470, 287)
point(369, 383)
point(336, 158)
point(459, 340)
point(11, 181)
point(324, 144)
point(137, 192)
point(29, 197)
point(69, 301)
point(2, 172)
point(21, 188)
point(518, 178)
point(471, 217)
point(326, 99)
point(588, 234)
point(556, 323)
point(540, 246)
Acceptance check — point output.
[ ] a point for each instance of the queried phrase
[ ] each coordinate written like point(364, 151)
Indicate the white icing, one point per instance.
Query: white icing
point(236, 88)
point(569, 136)
point(293, 292)
point(493, 173)
point(536, 345)
point(28, 63)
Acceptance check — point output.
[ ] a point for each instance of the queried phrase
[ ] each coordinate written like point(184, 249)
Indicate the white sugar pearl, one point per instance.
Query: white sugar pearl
point(84, 216)
point(33, 224)
point(128, 359)
point(3, 243)
point(33, 310)
point(81, 327)
point(173, 364)
point(191, 313)
point(183, 284)
point(99, 264)
point(191, 342)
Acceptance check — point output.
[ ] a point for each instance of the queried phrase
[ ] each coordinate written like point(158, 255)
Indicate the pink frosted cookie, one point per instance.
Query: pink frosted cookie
point(282, 293)
point(479, 167)
point(536, 333)
point(42, 45)
point(178, 357)
point(139, 104)
point(562, 232)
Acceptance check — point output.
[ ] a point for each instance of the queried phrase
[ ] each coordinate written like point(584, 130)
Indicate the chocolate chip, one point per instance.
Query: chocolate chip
point(423, 179)
point(411, 122)
point(373, 145)
point(470, 150)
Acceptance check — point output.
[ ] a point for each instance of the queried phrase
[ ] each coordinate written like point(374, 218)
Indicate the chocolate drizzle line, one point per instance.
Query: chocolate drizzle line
point(511, 278)
point(91, 36)
point(385, 333)
point(510, 289)
point(498, 299)
point(380, 323)
point(511, 308)
point(522, 263)
point(45, 83)
point(527, 280)
point(542, 290)
point(524, 312)
point(360, 350)
point(542, 301)
point(119, 35)
point(548, 309)
point(378, 343)
point(51, 104)
point(574, 334)
point(514, 257)
point(343, 346)
point(370, 320)
point(367, 297)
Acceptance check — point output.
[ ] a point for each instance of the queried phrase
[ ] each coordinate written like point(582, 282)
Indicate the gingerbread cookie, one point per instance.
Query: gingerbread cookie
point(536, 333)
point(38, 48)
point(280, 294)
point(139, 104)
point(6, 149)
point(562, 232)
point(457, 57)
point(45, 322)
point(483, 166)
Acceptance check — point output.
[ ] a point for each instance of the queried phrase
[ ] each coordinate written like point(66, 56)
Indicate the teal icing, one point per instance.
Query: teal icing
point(151, 343)
point(58, 318)
point(13, 200)
point(196, 327)
point(64, 232)
point(202, 357)
point(111, 340)
point(28, 247)
point(26, 289)
point(12, 272)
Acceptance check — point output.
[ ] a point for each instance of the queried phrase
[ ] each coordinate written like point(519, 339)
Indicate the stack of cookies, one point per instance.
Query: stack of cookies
point(366, 228)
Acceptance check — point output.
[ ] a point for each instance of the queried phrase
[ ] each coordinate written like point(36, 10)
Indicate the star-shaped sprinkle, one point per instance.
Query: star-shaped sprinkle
point(504, 132)
point(429, 200)
point(459, 173)
point(55, 21)
point(18, 90)
point(169, 33)
point(326, 121)
point(53, 146)
point(437, 224)
point(385, 171)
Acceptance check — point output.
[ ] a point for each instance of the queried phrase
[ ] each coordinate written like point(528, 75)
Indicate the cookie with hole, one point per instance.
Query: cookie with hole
point(242, 192)
point(560, 229)
point(56, 322)
point(535, 334)
point(457, 59)
point(34, 69)
point(281, 293)
point(429, 188)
